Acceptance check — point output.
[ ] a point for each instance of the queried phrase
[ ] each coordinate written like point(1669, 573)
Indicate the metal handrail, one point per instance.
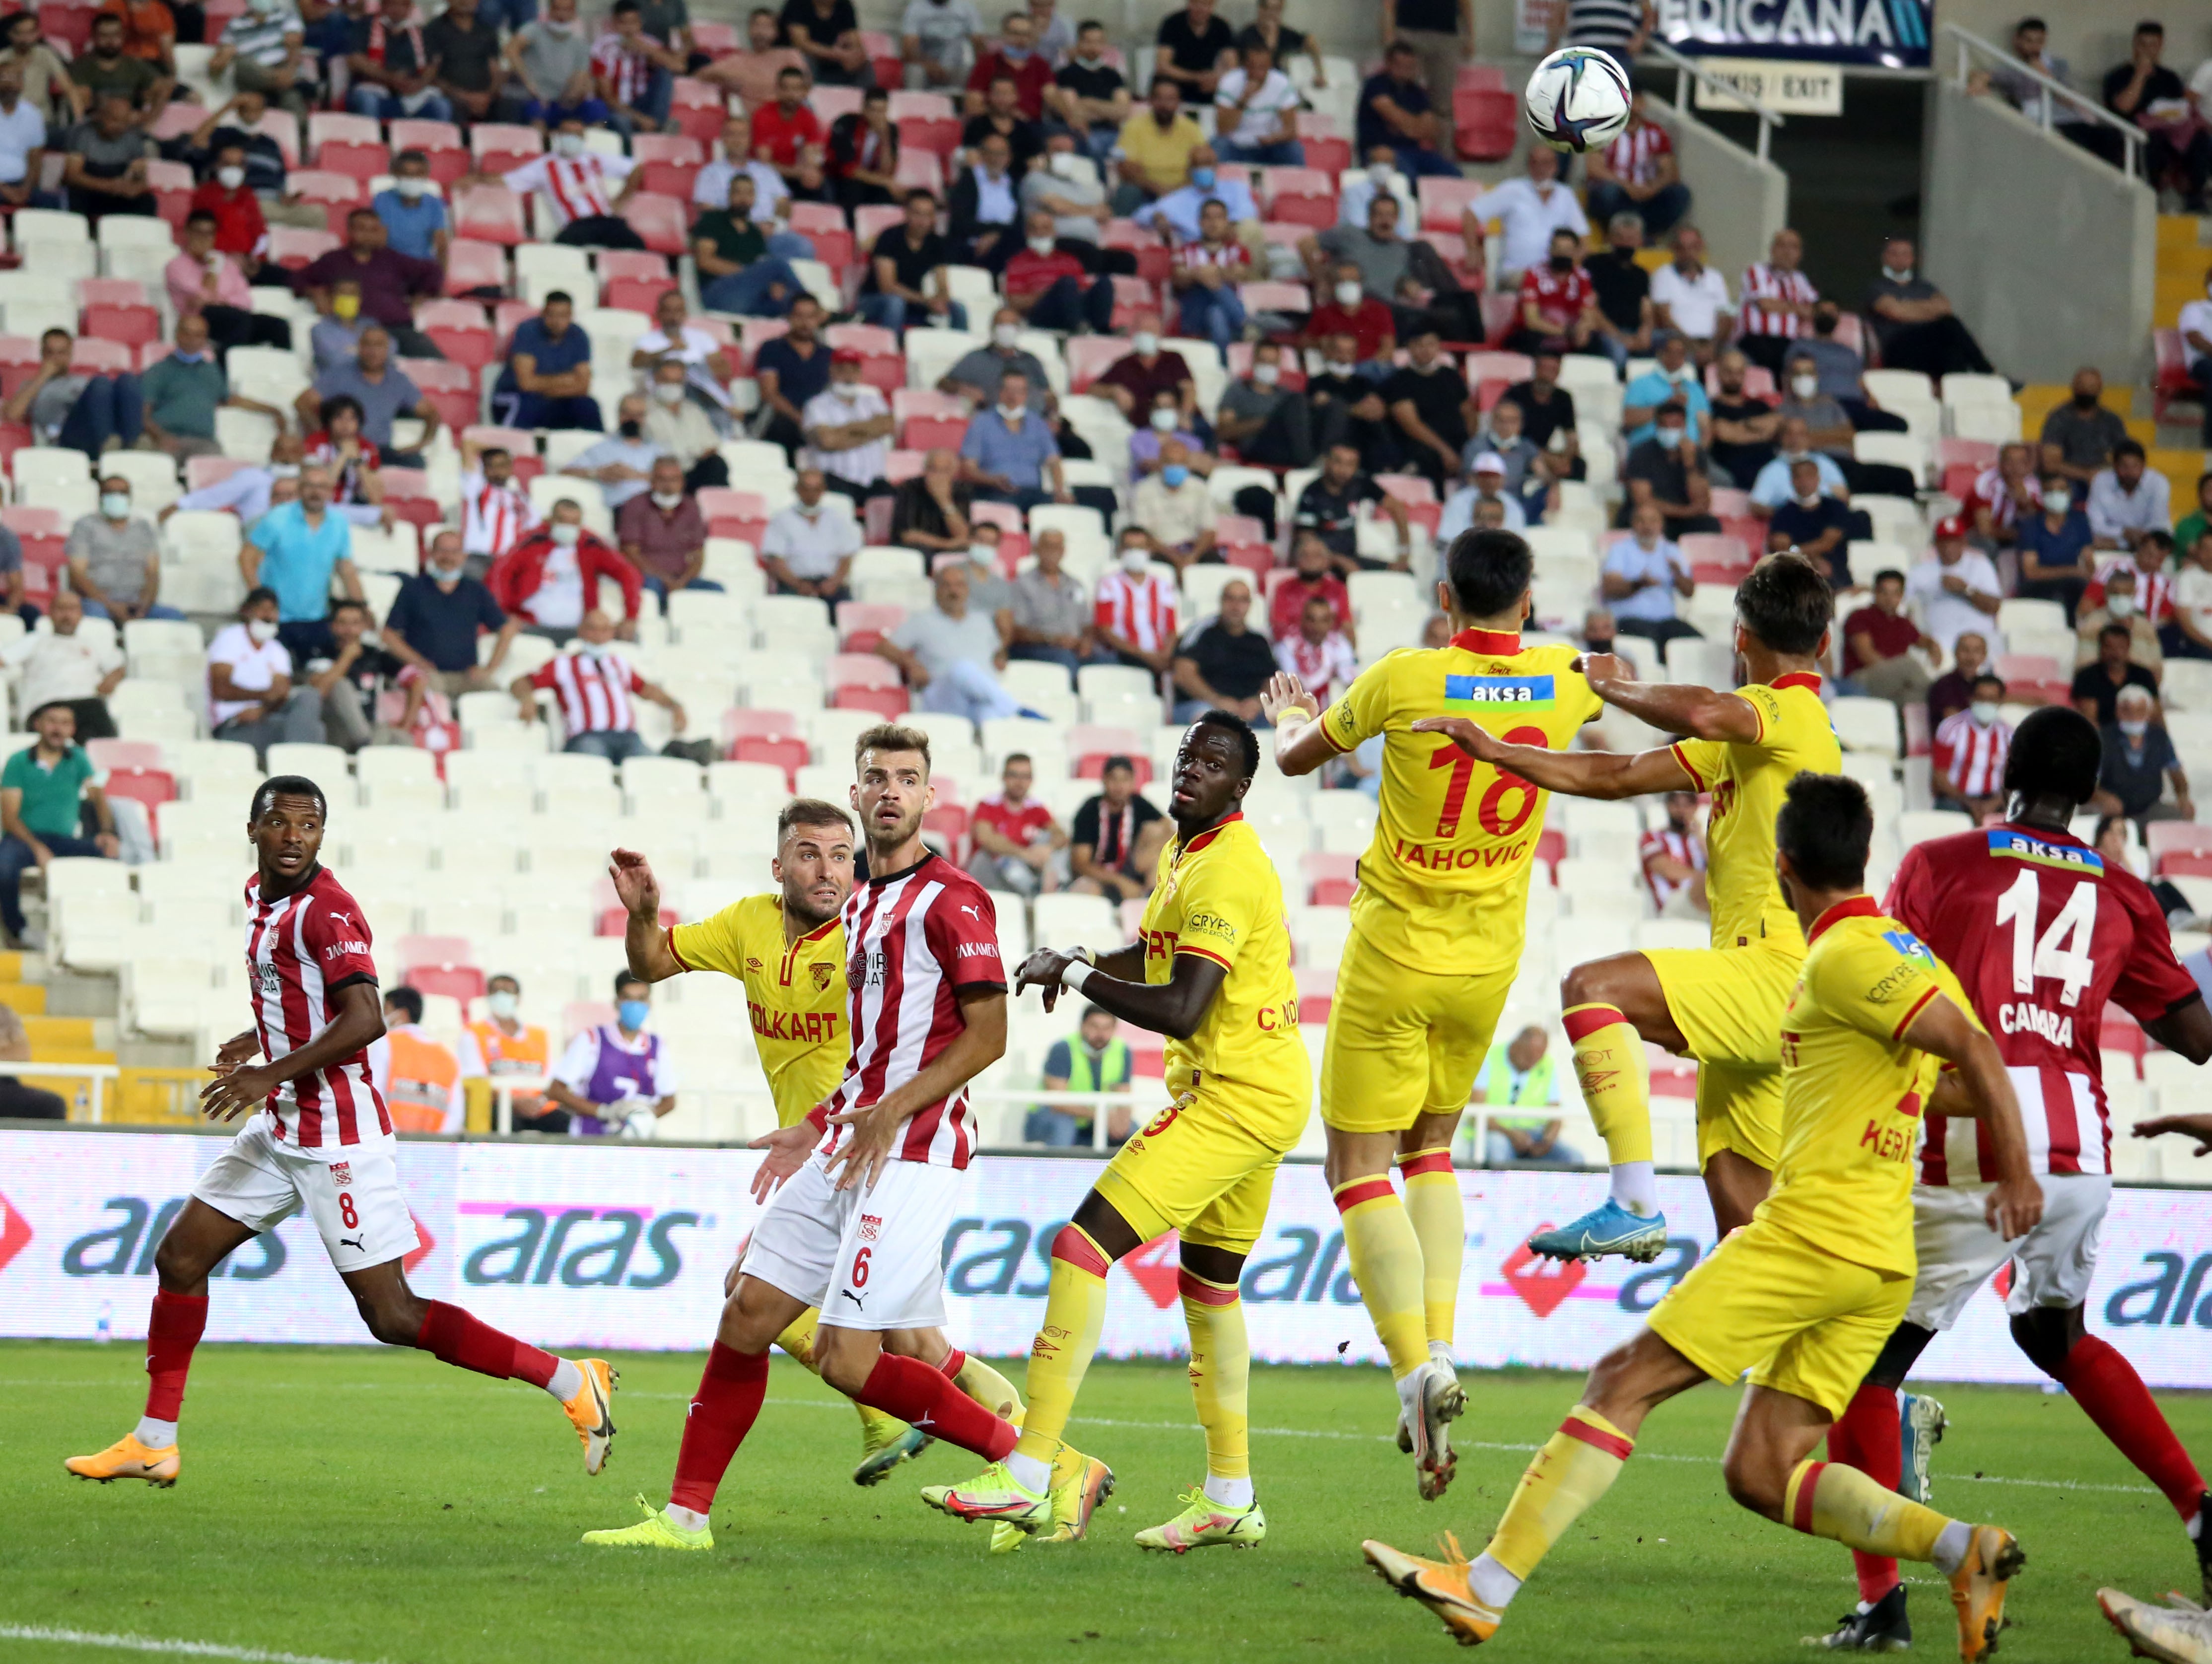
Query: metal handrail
point(1970, 44)
point(1687, 69)
point(101, 1077)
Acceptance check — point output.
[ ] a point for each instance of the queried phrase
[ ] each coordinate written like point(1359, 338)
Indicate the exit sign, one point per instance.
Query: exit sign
point(1789, 89)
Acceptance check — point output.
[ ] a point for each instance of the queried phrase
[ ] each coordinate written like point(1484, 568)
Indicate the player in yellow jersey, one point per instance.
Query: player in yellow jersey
point(1211, 971)
point(1437, 925)
point(1721, 1005)
point(787, 947)
point(1806, 1294)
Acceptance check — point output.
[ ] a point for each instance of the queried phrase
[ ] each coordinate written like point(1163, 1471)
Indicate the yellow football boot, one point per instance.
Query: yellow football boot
point(127, 1458)
point(994, 1495)
point(885, 1442)
point(655, 1530)
point(1439, 1585)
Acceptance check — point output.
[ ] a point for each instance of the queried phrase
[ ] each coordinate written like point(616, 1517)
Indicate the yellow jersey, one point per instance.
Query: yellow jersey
point(1852, 1090)
point(1444, 885)
point(795, 995)
point(1747, 779)
point(1217, 896)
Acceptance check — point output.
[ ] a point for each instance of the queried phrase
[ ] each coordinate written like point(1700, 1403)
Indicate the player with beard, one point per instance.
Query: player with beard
point(787, 947)
point(857, 1227)
point(319, 1140)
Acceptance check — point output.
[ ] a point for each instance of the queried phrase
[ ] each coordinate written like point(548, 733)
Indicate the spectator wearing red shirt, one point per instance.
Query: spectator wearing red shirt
point(1879, 642)
point(1048, 286)
point(1017, 58)
point(785, 129)
point(1018, 842)
point(1312, 580)
point(1351, 311)
point(1559, 302)
point(550, 576)
point(240, 229)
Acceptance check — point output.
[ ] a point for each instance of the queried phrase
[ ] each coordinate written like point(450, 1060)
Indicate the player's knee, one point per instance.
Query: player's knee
point(1754, 1482)
point(845, 1368)
point(396, 1321)
point(2047, 1335)
point(173, 1266)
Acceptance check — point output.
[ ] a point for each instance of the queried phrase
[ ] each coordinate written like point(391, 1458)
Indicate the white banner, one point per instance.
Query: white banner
point(623, 1245)
point(1789, 89)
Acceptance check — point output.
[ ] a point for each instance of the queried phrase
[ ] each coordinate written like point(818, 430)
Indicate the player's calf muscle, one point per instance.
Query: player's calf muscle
point(1627, 982)
point(1632, 1380)
point(193, 1247)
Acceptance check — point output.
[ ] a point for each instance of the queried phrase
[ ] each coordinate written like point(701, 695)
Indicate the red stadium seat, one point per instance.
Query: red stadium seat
point(871, 222)
point(461, 982)
point(172, 191)
point(123, 753)
point(929, 433)
point(101, 358)
point(615, 920)
point(131, 326)
point(788, 754)
point(358, 161)
point(2180, 864)
point(859, 670)
point(1093, 765)
point(2164, 838)
point(69, 25)
point(920, 169)
point(905, 104)
point(935, 136)
point(670, 178)
point(742, 723)
point(636, 294)
point(889, 703)
point(664, 223)
point(715, 39)
point(471, 265)
point(489, 214)
point(413, 133)
point(1485, 123)
point(1330, 155)
point(459, 329)
point(2172, 379)
point(500, 147)
point(667, 147)
point(698, 109)
point(333, 184)
point(152, 787)
point(1443, 199)
point(297, 248)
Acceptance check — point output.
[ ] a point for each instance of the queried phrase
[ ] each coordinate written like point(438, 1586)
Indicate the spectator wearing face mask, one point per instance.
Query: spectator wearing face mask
point(1968, 769)
point(1165, 424)
point(1048, 286)
point(1009, 455)
point(1643, 577)
point(2139, 763)
point(551, 576)
point(501, 1043)
point(808, 545)
point(1484, 488)
point(1673, 380)
point(2078, 436)
point(1668, 469)
point(1067, 187)
point(247, 492)
point(2054, 548)
point(1815, 524)
point(1271, 426)
point(1774, 484)
point(437, 618)
point(588, 191)
point(415, 220)
point(621, 463)
point(251, 696)
point(2116, 602)
point(592, 685)
point(2190, 634)
point(1829, 430)
point(2128, 500)
point(849, 428)
point(1913, 321)
point(1557, 301)
point(675, 422)
point(203, 281)
point(2004, 495)
point(1173, 508)
point(1137, 617)
point(663, 535)
point(115, 559)
point(182, 391)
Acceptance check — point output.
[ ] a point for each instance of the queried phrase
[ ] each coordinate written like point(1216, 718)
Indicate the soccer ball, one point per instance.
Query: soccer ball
point(1577, 100)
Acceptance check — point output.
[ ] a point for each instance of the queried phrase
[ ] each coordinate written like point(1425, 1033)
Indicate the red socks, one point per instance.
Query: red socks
point(1867, 1438)
point(924, 1397)
point(454, 1337)
point(2113, 1395)
point(954, 1361)
point(722, 1414)
point(171, 1334)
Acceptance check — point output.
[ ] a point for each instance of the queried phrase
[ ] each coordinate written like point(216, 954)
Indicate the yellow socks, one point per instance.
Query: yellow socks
point(1828, 1499)
point(1385, 1252)
point(1439, 1218)
point(1220, 1373)
point(1074, 1312)
point(1576, 1465)
point(1609, 1066)
point(989, 1389)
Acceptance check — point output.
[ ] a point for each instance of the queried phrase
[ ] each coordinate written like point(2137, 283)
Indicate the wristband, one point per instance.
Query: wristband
point(1075, 975)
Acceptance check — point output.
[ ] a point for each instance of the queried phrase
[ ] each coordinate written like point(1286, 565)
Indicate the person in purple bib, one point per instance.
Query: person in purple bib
point(616, 1078)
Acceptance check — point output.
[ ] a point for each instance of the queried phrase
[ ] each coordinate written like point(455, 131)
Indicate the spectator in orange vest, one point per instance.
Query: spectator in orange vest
point(420, 1079)
point(501, 1043)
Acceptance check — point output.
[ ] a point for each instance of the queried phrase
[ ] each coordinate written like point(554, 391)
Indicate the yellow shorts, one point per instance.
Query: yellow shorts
point(1197, 1168)
point(1403, 1042)
point(1729, 1002)
point(1804, 1321)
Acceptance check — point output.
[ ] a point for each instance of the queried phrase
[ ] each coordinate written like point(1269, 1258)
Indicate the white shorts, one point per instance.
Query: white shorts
point(870, 1260)
point(2051, 1267)
point(354, 1201)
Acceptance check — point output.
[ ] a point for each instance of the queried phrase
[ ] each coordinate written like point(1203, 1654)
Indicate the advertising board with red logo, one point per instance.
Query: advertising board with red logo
point(624, 1246)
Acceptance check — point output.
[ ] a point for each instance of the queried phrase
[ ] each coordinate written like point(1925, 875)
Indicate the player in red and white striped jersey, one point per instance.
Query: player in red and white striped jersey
point(495, 510)
point(2041, 934)
point(857, 1225)
point(1968, 769)
point(578, 183)
point(594, 683)
point(319, 1140)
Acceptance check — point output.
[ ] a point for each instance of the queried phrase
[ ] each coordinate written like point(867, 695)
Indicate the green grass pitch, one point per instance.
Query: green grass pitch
point(366, 1505)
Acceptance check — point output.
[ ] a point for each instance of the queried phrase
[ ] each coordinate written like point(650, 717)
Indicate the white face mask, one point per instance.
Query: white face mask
point(1040, 245)
point(2120, 606)
point(1145, 341)
point(1671, 437)
point(411, 189)
point(1805, 387)
point(1266, 375)
point(2133, 730)
point(846, 391)
point(1347, 295)
point(809, 509)
point(1341, 367)
point(447, 575)
point(230, 177)
point(568, 145)
point(1136, 561)
point(593, 649)
point(668, 393)
point(667, 499)
point(115, 505)
point(263, 630)
point(1896, 276)
point(565, 535)
point(1006, 335)
point(501, 1005)
point(1164, 420)
point(1984, 711)
point(982, 555)
point(2057, 502)
point(1379, 175)
point(1810, 499)
point(1013, 413)
point(284, 471)
point(1063, 164)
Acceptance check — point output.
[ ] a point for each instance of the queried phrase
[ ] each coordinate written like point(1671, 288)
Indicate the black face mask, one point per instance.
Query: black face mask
point(2085, 401)
point(632, 429)
point(1563, 262)
point(1599, 643)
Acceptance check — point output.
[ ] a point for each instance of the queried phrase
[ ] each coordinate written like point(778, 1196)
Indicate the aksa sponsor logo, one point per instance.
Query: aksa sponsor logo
point(581, 1247)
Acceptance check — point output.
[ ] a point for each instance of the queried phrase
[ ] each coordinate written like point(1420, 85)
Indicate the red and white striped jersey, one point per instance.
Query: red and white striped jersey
point(913, 940)
point(299, 950)
point(1684, 847)
point(2153, 590)
point(1560, 296)
point(1989, 492)
point(1138, 609)
point(594, 689)
point(2041, 933)
point(577, 186)
point(1327, 667)
point(1634, 156)
point(1230, 256)
point(1969, 756)
point(1762, 281)
point(493, 516)
point(626, 71)
point(318, 450)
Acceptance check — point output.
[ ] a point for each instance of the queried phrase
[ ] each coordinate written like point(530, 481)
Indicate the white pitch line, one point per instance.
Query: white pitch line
point(148, 1644)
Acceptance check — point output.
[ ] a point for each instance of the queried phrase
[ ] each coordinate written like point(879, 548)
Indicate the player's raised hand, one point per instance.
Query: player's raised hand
point(864, 1154)
point(236, 1090)
point(787, 1149)
point(236, 1050)
point(2198, 1127)
point(1041, 969)
point(1477, 741)
point(635, 887)
point(2014, 1206)
point(1282, 692)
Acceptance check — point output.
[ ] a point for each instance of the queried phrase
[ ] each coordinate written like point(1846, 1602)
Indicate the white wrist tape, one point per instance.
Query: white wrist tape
point(1075, 975)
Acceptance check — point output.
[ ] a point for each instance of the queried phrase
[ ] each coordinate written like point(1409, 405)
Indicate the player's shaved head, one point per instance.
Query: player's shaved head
point(2056, 753)
point(1488, 573)
point(1824, 829)
point(1787, 604)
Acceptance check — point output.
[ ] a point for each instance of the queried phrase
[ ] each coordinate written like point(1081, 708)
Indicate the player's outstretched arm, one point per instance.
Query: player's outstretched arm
point(1942, 1029)
point(2187, 1029)
point(1127, 964)
point(360, 1019)
point(1674, 707)
point(980, 1042)
point(643, 940)
point(2198, 1127)
point(1175, 1007)
point(1578, 774)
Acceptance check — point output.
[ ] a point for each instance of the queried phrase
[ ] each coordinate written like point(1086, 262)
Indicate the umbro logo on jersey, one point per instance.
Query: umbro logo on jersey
point(752, 964)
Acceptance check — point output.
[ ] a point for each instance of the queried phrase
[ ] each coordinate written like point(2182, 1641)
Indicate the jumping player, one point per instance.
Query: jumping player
point(320, 1139)
point(2041, 933)
point(1437, 926)
point(1804, 1295)
point(1211, 971)
point(857, 1228)
point(787, 948)
point(1721, 1005)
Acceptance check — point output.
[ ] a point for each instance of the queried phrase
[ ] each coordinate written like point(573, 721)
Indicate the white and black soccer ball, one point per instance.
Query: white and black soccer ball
point(1577, 100)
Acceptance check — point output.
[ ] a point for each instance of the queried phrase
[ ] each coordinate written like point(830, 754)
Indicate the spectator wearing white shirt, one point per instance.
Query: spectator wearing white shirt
point(1529, 211)
point(711, 190)
point(621, 463)
point(1772, 487)
point(1260, 100)
point(950, 654)
point(808, 545)
point(2127, 500)
point(23, 144)
point(1485, 483)
point(1381, 177)
point(1968, 769)
point(2195, 329)
point(1689, 296)
point(247, 493)
point(706, 366)
point(251, 695)
point(58, 665)
point(1643, 575)
point(849, 428)
point(580, 185)
point(1958, 588)
point(1317, 652)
